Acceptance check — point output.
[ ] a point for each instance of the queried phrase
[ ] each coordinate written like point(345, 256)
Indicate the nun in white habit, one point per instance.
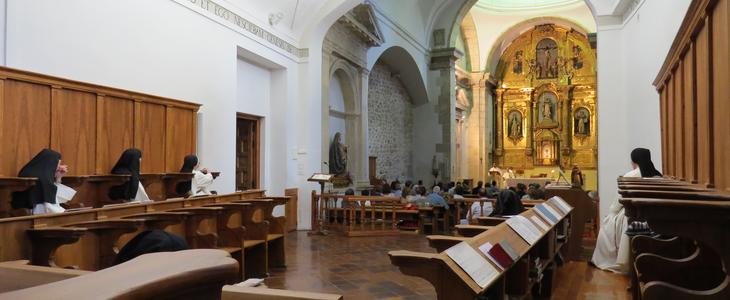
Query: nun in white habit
point(612, 245)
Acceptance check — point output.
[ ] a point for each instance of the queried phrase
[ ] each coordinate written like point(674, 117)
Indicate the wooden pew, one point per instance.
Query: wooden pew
point(705, 221)
point(190, 274)
point(232, 292)
point(8, 185)
point(471, 230)
point(171, 180)
point(584, 209)
point(83, 253)
point(452, 282)
point(443, 242)
point(276, 243)
point(106, 234)
point(18, 274)
point(236, 228)
point(93, 190)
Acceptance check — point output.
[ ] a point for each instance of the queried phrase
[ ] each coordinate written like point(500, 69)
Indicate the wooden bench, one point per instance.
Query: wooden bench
point(190, 274)
point(18, 274)
point(232, 292)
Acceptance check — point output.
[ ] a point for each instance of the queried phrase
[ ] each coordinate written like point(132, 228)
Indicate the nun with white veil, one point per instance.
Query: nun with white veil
point(612, 245)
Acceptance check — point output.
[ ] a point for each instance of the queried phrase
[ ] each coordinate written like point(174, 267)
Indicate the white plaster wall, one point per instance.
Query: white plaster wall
point(629, 58)
point(3, 19)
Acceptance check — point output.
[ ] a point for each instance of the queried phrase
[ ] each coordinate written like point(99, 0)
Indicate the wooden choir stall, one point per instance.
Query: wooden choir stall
point(686, 255)
point(60, 254)
point(91, 125)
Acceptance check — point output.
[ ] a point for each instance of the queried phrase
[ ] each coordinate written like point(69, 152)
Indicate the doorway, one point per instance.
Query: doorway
point(248, 152)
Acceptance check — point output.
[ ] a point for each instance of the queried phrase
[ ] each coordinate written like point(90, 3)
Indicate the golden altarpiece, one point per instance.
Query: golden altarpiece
point(546, 103)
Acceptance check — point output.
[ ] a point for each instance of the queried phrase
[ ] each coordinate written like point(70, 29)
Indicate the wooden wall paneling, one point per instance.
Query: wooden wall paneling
point(680, 155)
point(179, 137)
point(690, 120)
point(702, 66)
point(116, 131)
point(663, 123)
point(671, 154)
point(73, 129)
point(149, 135)
point(721, 94)
point(26, 124)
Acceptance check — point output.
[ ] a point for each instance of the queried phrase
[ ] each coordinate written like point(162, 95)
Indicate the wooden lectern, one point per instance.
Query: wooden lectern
point(317, 223)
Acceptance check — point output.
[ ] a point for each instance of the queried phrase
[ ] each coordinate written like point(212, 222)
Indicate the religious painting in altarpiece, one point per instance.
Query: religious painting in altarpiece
point(546, 101)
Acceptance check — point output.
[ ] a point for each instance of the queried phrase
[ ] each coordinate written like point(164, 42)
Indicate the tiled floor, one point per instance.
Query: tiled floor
point(359, 268)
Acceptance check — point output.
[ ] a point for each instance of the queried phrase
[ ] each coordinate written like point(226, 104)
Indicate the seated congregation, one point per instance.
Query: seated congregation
point(108, 193)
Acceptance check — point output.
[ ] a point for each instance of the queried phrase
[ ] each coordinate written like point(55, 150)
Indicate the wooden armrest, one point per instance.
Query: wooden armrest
point(199, 210)
point(110, 178)
point(669, 248)
point(97, 225)
point(232, 292)
point(471, 230)
point(664, 290)
point(191, 274)
point(16, 275)
point(177, 176)
point(443, 242)
point(45, 241)
point(693, 272)
point(235, 206)
point(490, 221)
point(160, 220)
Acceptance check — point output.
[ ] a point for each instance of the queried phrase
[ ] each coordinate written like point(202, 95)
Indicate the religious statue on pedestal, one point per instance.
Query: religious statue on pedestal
point(338, 156)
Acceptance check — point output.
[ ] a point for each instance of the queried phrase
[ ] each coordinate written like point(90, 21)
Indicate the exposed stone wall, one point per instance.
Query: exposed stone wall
point(390, 124)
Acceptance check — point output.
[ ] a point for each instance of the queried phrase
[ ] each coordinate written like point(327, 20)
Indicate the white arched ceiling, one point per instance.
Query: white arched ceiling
point(403, 65)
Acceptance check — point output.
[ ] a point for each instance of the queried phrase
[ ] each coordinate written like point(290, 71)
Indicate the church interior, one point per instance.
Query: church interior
point(365, 149)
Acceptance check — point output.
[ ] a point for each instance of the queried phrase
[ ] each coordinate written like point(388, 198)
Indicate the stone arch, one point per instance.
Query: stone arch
point(401, 61)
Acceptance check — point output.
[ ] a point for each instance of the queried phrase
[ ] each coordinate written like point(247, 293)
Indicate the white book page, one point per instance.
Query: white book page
point(539, 210)
point(564, 206)
point(553, 211)
point(540, 223)
point(64, 193)
point(522, 230)
point(476, 266)
point(525, 221)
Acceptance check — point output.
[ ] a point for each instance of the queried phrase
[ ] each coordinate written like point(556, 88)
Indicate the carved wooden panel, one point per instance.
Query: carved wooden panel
point(180, 137)
point(149, 136)
point(703, 107)
point(695, 78)
point(25, 122)
point(73, 129)
point(721, 93)
point(116, 131)
point(690, 108)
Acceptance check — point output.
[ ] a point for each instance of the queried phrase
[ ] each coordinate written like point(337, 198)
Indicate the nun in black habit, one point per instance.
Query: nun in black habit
point(40, 198)
point(128, 164)
point(202, 179)
point(189, 163)
point(150, 241)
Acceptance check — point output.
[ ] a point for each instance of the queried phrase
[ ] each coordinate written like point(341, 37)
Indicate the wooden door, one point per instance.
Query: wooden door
point(247, 152)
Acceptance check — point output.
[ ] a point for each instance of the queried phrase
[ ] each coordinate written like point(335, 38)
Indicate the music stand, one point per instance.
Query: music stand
point(317, 224)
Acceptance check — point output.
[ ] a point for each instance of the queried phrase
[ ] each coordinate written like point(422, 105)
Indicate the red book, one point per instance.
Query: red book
point(500, 256)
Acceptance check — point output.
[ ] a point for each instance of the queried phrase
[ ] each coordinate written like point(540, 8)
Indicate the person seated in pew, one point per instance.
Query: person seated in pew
point(150, 241)
point(612, 244)
point(202, 179)
point(132, 191)
point(475, 190)
point(508, 204)
point(432, 199)
point(395, 187)
point(44, 197)
point(521, 190)
point(492, 190)
point(534, 193)
point(478, 209)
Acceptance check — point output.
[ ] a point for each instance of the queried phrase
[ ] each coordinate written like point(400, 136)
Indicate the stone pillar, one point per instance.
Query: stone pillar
point(442, 61)
point(530, 127)
point(499, 124)
point(362, 178)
